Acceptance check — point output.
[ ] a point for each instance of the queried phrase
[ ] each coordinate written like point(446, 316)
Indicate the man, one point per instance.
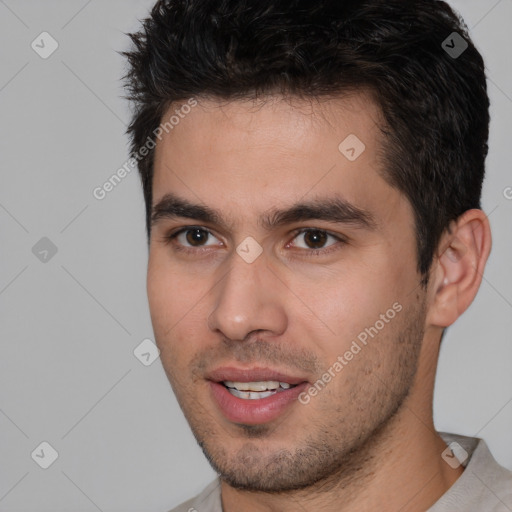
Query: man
point(312, 184)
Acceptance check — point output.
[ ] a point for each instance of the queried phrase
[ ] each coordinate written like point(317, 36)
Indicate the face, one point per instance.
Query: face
point(282, 285)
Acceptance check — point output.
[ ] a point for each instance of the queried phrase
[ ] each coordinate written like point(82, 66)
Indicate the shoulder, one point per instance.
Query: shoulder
point(484, 484)
point(207, 501)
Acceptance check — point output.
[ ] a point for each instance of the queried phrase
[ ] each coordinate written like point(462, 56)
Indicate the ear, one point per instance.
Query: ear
point(458, 267)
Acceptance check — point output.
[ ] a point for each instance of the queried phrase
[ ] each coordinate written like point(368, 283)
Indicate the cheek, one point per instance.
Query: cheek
point(170, 290)
point(167, 298)
point(337, 307)
point(177, 304)
point(160, 286)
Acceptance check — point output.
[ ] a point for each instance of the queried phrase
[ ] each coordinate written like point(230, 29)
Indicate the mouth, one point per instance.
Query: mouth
point(253, 396)
point(256, 390)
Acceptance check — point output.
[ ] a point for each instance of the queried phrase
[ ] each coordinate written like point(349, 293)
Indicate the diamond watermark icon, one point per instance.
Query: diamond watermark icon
point(454, 455)
point(454, 45)
point(146, 352)
point(44, 455)
point(249, 249)
point(351, 147)
point(44, 250)
point(44, 45)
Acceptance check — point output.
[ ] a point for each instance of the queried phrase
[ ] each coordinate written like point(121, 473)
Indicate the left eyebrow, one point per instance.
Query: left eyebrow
point(331, 209)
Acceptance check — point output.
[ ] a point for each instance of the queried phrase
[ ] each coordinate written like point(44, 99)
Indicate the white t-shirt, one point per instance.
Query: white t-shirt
point(484, 486)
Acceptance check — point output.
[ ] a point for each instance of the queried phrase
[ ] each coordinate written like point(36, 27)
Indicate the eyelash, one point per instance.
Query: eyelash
point(170, 238)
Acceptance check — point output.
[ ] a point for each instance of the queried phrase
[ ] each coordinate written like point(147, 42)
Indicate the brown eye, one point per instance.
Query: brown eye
point(190, 238)
point(314, 239)
point(196, 236)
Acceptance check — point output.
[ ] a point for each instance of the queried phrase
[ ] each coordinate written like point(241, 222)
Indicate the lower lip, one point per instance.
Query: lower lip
point(257, 411)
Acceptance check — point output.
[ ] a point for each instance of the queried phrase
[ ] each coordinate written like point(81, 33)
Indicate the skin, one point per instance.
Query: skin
point(367, 440)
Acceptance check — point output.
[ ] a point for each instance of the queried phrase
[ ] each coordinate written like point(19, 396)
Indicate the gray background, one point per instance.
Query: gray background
point(69, 325)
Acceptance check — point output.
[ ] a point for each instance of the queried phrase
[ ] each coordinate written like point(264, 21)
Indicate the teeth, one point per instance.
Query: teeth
point(247, 395)
point(255, 390)
point(253, 386)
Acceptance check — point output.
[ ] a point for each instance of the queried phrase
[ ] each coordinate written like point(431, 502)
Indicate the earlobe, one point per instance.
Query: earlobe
point(459, 266)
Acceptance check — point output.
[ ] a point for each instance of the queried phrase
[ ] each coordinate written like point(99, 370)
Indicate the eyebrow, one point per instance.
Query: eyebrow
point(333, 209)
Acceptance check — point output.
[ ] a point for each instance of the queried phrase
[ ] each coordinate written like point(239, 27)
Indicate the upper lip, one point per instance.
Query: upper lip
point(231, 373)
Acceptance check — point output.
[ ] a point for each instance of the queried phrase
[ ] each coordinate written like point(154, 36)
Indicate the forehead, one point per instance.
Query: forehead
point(286, 121)
point(247, 156)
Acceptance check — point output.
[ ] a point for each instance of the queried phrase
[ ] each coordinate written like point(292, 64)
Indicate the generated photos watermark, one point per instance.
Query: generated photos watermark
point(101, 191)
point(355, 348)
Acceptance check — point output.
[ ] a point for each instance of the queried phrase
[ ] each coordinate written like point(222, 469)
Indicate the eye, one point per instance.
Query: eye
point(315, 239)
point(190, 238)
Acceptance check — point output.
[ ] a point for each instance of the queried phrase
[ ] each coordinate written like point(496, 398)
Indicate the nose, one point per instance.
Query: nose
point(248, 298)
